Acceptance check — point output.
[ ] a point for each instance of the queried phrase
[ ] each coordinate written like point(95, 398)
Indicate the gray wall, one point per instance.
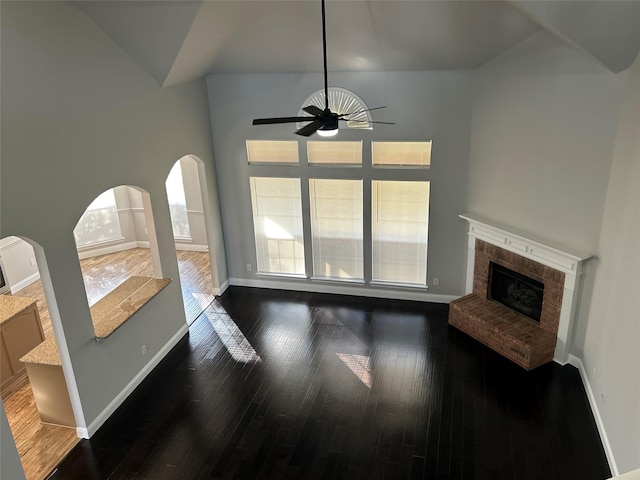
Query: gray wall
point(544, 121)
point(609, 338)
point(10, 466)
point(547, 134)
point(78, 117)
point(425, 105)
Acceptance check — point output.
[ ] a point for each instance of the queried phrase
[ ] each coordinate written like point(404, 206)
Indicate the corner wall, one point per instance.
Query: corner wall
point(608, 339)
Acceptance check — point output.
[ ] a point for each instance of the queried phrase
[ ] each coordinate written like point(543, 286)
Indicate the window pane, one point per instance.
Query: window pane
point(272, 151)
point(400, 213)
point(100, 222)
point(334, 153)
point(401, 154)
point(336, 228)
point(177, 203)
point(277, 222)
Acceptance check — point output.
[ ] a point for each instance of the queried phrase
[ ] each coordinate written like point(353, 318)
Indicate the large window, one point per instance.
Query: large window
point(400, 216)
point(177, 203)
point(277, 222)
point(336, 226)
point(364, 217)
point(100, 222)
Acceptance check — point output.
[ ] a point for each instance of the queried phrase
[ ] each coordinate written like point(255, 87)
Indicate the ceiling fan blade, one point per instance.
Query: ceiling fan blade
point(269, 121)
point(365, 121)
point(310, 129)
point(360, 111)
point(313, 110)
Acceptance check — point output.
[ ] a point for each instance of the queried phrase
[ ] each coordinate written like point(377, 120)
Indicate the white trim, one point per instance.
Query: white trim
point(24, 282)
point(94, 252)
point(131, 210)
point(99, 243)
point(632, 475)
point(336, 289)
point(222, 289)
point(195, 212)
point(577, 362)
point(132, 385)
point(182, 238)
point(191, 247)
point(10, 243)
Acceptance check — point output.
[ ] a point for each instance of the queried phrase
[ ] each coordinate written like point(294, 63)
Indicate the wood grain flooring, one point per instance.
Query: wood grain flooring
point(284, 385)
point(42, 447)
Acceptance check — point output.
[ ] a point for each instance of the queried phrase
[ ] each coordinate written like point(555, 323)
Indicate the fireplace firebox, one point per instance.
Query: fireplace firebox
point(516, 291)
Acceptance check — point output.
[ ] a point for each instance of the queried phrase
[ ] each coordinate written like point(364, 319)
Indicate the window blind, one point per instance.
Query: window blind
point(336, 228)
point(277, 222)
point(272, 152)
point(334, 153)
point(401, 154)
point(399, 227)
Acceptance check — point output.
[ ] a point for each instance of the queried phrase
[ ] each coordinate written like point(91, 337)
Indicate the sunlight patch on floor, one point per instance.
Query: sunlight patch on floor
point(233, 339)
point(358, 364)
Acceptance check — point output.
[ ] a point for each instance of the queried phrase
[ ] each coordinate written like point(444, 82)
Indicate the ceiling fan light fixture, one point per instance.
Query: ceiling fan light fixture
point(327, 132)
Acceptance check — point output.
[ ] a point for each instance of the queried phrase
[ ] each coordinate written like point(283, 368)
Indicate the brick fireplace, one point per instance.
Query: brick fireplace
point(558, 269)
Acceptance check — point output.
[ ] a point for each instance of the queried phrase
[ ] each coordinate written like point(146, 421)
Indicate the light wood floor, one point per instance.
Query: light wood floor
point(42, 447)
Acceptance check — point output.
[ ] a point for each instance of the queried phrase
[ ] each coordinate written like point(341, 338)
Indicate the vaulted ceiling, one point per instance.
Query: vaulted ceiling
point(179, 41)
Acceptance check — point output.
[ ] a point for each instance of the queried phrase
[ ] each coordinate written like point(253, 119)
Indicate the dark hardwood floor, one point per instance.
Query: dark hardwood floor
point(273, 384)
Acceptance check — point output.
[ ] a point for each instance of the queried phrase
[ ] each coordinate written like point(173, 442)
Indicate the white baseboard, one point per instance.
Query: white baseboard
point(378, 292)
point(132, 385)
point(577, 362)
point(94, 252)
point(191, 248)
point(25, 282)
point(222, 289)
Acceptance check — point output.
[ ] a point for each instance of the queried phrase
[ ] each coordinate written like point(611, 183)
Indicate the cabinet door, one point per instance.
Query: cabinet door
point(21, 334)
point(6, 371)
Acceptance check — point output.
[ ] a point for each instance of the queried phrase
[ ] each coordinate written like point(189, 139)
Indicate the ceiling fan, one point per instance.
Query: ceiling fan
point(325, 122)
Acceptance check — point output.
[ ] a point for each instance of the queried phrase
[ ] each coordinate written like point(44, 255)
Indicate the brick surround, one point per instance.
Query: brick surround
point(509, 333)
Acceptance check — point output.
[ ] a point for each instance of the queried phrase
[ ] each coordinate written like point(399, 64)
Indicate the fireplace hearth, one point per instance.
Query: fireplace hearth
point(521, 293)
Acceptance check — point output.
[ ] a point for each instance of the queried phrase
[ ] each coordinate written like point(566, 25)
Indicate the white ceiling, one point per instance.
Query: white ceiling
point(179, 41)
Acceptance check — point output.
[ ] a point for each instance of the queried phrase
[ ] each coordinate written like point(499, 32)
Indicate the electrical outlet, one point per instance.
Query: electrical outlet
point(33, 262)
point(593, 377)
point(248, 267)
point(602, 397)
point(436, 281)
point(143, 349)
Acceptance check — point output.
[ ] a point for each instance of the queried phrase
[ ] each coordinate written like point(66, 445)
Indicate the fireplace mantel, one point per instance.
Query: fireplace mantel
point(564, 259)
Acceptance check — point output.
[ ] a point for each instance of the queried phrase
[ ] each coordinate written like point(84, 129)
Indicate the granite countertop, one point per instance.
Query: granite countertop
point(44, 354)
point(11, 305)
point(108, 314)
point(119, 305)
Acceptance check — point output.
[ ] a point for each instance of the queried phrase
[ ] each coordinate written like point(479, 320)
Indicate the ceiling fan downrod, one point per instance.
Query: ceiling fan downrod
point(324, 53)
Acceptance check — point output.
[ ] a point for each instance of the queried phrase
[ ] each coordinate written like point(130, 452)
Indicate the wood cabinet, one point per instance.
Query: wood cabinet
point(20, 331)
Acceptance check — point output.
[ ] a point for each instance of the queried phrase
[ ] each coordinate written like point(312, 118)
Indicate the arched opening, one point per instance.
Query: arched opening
point(117, 248)
point(187, 195)
point(30, 319)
